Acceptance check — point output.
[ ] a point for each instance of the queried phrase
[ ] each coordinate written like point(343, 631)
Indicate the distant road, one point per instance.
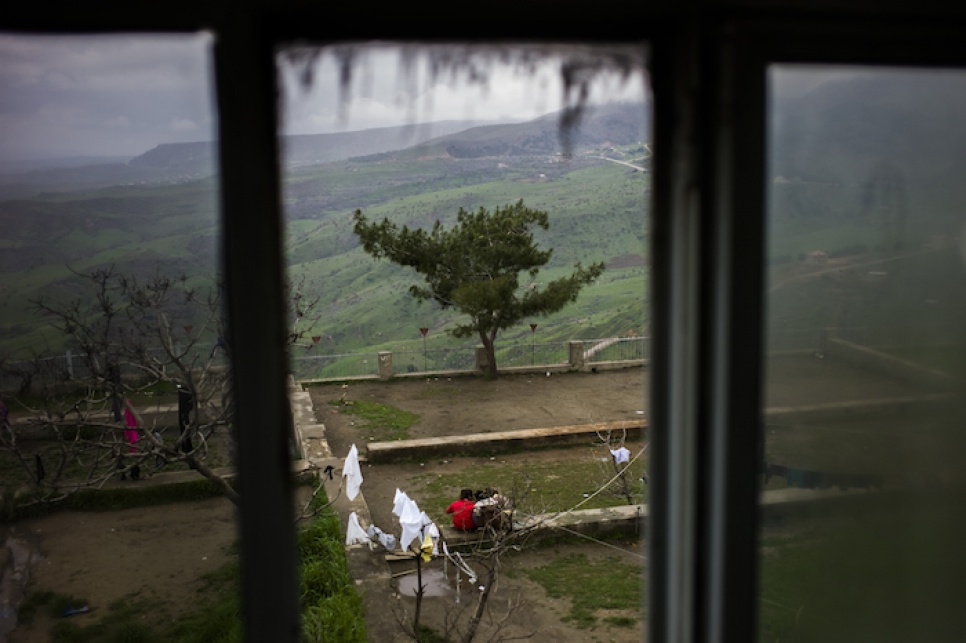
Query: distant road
point(604, 158)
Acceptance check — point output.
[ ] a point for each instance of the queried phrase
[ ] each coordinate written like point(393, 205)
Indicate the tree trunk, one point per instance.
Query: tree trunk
point(420, 590)
point(490, 352)
point(219, 482)
point(488, 584)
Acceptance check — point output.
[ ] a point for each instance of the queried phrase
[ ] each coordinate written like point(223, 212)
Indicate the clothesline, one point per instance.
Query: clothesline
point(605, 485)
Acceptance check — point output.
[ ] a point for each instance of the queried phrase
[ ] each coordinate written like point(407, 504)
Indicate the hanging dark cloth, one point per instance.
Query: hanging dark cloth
point(114, 377)
point(185, 402)
point(40, 467)
point(775, 470)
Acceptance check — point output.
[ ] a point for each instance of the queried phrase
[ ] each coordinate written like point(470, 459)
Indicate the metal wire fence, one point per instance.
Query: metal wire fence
point(345, 365)
point(617, 349)
point(16, 376)
point(533, 354)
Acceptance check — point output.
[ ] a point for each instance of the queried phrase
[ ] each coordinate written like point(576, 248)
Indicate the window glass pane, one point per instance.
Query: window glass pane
point(415, 135)
point(865, 356)
point(109, 302)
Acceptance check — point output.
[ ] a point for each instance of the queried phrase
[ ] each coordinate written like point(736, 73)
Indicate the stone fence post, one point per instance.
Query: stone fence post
point(385, 365)
point(576, 355)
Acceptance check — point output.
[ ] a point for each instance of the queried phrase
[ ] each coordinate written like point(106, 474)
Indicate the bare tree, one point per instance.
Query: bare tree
point(499, 534)
point(153, 338)
point(621, 484)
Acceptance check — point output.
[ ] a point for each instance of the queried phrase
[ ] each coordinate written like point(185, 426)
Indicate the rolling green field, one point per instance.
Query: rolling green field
point(598, 212)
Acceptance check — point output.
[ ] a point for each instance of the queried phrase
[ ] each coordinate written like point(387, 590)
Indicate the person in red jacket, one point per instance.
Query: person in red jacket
point(462, 511)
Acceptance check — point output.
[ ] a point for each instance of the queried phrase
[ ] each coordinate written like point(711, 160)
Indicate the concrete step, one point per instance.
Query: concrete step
point(484, 443)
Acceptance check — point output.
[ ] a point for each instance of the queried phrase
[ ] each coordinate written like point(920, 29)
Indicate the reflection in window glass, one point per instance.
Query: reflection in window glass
point(415, 135)
point(113, 370)
point(866, 356)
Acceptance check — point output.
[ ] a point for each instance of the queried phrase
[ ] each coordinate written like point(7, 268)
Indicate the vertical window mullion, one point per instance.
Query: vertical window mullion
point(252, 260)
point(672, 530)
point(732, 322)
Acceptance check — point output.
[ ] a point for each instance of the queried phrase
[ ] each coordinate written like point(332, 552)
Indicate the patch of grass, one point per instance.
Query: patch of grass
point(46, 602)
point(427, 634)
point(220, 618)
point(382, 421)
point(331, 606)
point(621, 621)
point(120, 624)
point(554, 485)
point(607, 584)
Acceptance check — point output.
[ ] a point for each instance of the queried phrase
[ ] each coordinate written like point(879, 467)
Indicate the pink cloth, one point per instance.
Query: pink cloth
point(131, 432)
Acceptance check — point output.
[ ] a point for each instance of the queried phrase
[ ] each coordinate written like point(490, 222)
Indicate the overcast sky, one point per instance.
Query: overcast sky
point(103, 95)
point(122, 95)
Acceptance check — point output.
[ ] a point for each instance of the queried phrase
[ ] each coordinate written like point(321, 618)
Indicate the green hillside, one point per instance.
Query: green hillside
point(597, 213)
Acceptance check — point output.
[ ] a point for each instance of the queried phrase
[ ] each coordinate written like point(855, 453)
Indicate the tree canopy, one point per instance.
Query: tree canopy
point(476, 266)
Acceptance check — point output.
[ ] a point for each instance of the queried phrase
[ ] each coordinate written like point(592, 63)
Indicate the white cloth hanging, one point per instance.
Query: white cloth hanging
point(399, 502)
point(432, 531)
point(386, 540)
point(411, 521)
point(354, 533)
point(352, 474)
point(621, 455)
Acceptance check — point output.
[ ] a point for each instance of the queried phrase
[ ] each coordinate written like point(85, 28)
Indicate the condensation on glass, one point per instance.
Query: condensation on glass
point(863, 442)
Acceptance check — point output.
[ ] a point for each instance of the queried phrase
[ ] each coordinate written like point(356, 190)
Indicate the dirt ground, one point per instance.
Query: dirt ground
point(154, 556)
point(159, 554)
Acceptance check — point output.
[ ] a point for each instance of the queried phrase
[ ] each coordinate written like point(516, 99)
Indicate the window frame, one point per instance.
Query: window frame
point(708, 62)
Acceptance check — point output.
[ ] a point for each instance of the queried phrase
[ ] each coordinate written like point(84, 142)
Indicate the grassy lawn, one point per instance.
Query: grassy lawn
point(382, 423)
point(543, 485)
point(603, 590)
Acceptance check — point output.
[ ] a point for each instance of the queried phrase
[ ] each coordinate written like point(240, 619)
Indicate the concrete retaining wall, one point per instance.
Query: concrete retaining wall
point(477, 443)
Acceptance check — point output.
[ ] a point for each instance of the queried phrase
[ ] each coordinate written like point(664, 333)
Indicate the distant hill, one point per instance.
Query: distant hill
point(181, 162)
point(326, 148)
point(598, 209)
point(896, 135)
point(306, 149)
point(29, 165)
point(613, 124)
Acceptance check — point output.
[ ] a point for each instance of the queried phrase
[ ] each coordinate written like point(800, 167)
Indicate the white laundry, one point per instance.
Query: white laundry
point(399, 502)
point(621, 455)
point(411, 521)
point(352, 474)
point(354, 533)
point(432, 531)
point(386, 540)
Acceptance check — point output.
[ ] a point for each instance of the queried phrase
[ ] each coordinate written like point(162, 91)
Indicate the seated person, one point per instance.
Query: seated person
point(493, 510)
point(462, 511)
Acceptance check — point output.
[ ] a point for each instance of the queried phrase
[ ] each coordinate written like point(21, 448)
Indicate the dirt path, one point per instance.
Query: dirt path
point(463, 405)
point(154, 556)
